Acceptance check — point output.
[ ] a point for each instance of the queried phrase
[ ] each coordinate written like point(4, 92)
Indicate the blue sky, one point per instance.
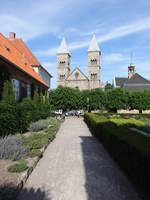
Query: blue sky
point(121, 26)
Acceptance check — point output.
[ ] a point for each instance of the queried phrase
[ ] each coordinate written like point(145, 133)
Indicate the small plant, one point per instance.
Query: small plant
point(12, 147)
point(18, 167)
point(34, 153)
point(39, 125)
point(36, 141)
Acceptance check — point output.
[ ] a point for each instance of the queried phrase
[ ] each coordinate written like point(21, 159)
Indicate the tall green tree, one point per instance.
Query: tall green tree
point(96, 99)
point(8, 94)
point(8, 111)
point(139, 100)
point(117, 99)
point(4, 76)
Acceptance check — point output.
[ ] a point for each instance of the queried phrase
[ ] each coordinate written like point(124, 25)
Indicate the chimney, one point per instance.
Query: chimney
point(12, 35)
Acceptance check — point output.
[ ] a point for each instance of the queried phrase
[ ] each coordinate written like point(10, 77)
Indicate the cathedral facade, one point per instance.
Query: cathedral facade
point(76, 78)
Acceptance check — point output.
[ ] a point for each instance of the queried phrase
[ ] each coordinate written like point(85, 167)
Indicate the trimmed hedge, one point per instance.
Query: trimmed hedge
point(131, 150)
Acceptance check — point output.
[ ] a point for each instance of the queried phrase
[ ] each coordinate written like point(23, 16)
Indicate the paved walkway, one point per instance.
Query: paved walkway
point(76, 166)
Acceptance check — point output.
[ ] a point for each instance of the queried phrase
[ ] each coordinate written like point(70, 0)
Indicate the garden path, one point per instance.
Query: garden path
point(75, 166)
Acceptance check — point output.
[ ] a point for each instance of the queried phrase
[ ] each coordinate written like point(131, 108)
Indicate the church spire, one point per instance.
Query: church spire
point(93, 45)
point(131, 68)
point(63, 47)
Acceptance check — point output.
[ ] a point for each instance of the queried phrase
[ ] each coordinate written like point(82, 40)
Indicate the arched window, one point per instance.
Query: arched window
point(76, 75)
point(62, 63)
point(94, 77)
point(93, 61)
point(62, 77)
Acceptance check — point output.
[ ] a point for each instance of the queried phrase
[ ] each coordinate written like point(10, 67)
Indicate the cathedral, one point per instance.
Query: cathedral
point(76, 78)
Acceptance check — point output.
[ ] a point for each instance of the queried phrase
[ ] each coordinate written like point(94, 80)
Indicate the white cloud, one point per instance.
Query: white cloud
point(113, 57)
point(50, 66)
point(117, 32)
point(49, 52)
point(124, 30)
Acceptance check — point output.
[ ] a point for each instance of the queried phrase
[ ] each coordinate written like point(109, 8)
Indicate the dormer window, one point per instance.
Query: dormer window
point(93, 77)
point(6, 48)
point(62, 77)
point(93, 61)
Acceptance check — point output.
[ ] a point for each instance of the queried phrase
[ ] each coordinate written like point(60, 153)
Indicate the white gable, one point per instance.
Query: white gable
point(63, 47)
point(76, 75)
point(93, 45)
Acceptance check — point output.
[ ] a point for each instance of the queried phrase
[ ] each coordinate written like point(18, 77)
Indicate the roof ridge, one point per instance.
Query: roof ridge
point(79, 70)
point(15, 57)
point(23, 43)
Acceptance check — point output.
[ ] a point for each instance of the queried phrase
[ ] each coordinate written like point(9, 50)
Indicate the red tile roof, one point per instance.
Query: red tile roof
point(12, 54)
point(25, 51)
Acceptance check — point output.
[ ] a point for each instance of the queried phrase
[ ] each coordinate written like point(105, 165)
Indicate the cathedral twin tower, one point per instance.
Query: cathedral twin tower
point(76, 78)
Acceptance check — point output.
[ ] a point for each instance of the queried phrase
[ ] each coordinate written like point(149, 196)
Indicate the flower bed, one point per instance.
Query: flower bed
point(19, 155)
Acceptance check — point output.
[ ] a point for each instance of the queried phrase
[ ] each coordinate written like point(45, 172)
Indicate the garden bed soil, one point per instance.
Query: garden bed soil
point(7, 178)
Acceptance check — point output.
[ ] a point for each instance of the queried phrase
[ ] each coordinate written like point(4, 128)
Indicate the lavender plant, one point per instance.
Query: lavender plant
point(12, 147)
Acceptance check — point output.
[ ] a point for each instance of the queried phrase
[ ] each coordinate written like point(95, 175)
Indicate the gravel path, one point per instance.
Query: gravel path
point(76, 166)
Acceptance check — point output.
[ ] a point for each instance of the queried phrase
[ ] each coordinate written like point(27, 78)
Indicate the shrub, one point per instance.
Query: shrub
point(8, 111)
point(127, 122)
point(36, 141)
point(4, 75)
point(39, 125)
point(131, 150)
point(8, 119)
point(8, 94)
point(36, 103)
point(18, 167)
point(26, 113)
point(12, 147)
point(34, 153)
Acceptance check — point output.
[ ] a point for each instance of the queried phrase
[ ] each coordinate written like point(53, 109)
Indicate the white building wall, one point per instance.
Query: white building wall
point(45, 76)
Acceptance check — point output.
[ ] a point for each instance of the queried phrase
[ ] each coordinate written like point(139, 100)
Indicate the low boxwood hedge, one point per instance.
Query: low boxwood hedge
point(131, 150)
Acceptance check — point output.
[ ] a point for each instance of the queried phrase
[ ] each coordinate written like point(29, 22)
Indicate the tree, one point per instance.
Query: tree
point(4, 76)
point(117, 99)
point(65, 98)
point(108, 86)
point(8, 111)
point(8, 94)
point(139, 100)
point(96, 99)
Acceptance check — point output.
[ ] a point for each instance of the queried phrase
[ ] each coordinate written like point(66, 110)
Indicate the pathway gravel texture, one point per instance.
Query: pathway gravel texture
point(75, 166)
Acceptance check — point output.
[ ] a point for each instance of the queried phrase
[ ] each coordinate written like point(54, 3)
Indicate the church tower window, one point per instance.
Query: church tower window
point(94, 77)
point(62, 77)
point(62, 63)
point(93, 61)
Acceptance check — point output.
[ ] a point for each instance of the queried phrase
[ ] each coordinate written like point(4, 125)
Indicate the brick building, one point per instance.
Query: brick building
point(23, 69)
